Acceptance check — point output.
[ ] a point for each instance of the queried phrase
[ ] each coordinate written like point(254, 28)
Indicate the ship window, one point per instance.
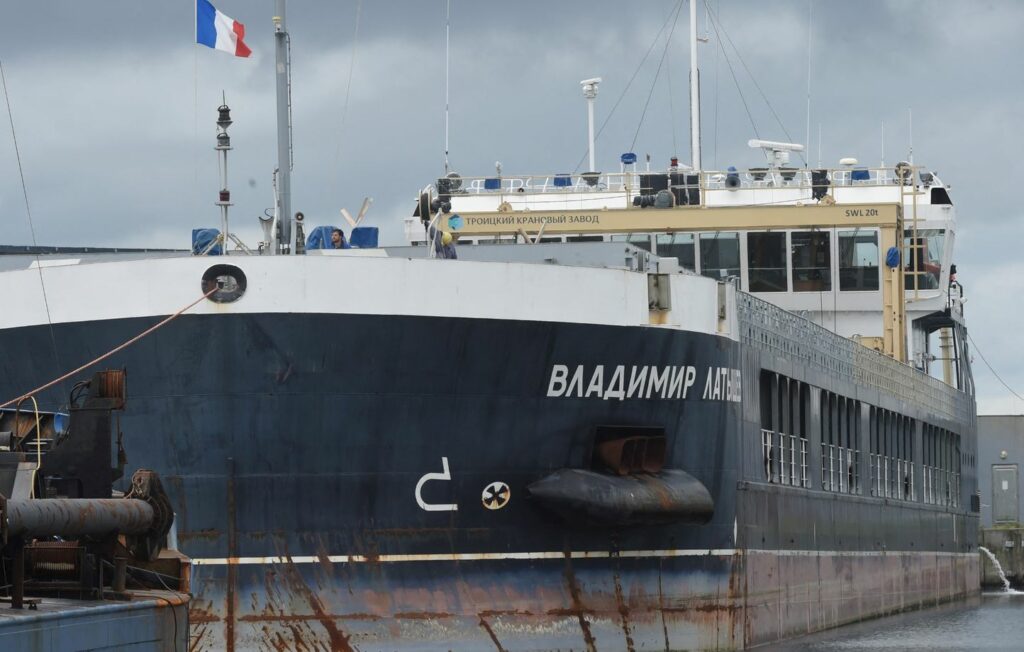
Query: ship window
point(720, 254)
point(679, 246)
point(922, 258)
point(858, 260)
point(766, 262)
point(812, 262)
point(641, 240)
point(940, 196)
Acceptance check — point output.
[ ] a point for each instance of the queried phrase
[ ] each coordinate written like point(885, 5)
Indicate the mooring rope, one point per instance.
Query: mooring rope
point(110, 352)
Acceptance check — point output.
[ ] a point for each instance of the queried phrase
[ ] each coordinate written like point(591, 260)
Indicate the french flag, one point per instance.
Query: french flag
point(215, 30)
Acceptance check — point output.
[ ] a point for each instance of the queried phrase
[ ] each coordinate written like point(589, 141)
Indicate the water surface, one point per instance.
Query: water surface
point(993, 622)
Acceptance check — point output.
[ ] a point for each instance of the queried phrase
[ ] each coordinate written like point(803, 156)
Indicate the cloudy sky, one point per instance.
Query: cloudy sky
point(114, 110)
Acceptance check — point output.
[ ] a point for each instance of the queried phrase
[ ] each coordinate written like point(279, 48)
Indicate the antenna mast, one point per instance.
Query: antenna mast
point(883, 144)
point(819, 144)
point(910, 121)
point(694, 91)
point(447, 49)
point(808, 136)
point(284, 145)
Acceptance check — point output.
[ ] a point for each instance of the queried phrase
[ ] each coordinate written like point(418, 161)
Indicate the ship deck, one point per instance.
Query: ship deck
point(149, 620)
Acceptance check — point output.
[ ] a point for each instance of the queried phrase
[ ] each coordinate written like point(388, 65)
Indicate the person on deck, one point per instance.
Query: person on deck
point(338, 240)
point(444, 244)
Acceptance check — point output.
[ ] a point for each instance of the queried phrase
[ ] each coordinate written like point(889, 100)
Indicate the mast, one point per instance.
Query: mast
point(222, 148)
point(694, 90)
point(590, 92)
point(284, 145)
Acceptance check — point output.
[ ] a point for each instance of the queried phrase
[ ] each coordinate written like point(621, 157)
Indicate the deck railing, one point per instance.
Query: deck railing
point(631, 183)
point(796, 339)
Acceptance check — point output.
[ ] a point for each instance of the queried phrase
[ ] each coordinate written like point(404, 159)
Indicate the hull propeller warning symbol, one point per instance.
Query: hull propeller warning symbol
point(496, 495)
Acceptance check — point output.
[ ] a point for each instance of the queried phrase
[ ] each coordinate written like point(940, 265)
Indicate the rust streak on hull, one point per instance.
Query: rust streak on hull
point(577, 604)
point(490, 632)
point(339, 640)
point(623, 612)
point(229, 594)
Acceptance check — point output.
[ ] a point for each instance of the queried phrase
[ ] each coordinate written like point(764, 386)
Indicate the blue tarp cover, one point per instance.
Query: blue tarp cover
point(320, 238)
point(201, 239)
point(365, 237)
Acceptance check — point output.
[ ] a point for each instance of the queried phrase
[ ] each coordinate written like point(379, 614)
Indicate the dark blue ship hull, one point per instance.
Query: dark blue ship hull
point(314, 461)
point(304, 436)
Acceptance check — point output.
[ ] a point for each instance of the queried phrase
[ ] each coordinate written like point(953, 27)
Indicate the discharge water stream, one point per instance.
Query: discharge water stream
point(998, 567)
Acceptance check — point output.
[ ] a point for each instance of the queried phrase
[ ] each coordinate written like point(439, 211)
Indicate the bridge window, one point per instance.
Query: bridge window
point(720, 254)
point(812, 261)
point(922, 258)
point(766, 262)
point(679, 246)
point(858, 260)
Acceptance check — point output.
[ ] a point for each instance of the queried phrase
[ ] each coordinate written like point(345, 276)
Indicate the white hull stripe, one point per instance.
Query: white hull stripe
point(372, 286)
point(584, 554)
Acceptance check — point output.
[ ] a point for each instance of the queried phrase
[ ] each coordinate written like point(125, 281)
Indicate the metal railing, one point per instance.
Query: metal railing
point(774, 330)
point(784, 458)
point(941, 487)
point(892, 477)
point(840, 469)
point(631, 182)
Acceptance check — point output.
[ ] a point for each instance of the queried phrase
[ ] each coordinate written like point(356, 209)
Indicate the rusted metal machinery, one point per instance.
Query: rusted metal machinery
point(62, 531)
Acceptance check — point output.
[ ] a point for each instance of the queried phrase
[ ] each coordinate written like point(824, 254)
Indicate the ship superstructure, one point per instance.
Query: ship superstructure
point(826, 261)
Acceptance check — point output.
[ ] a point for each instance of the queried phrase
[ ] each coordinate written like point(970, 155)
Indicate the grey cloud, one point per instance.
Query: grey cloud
point(114, 109)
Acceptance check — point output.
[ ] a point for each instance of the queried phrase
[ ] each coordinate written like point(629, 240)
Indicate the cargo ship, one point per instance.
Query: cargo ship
point(705, 418)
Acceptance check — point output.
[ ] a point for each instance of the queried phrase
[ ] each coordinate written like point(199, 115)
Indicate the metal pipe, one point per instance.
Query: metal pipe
point(120, 574)
point(77, 516)
point(18, 572)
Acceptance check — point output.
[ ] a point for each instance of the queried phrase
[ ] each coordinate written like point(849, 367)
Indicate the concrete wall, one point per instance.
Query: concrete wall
point(996, 435)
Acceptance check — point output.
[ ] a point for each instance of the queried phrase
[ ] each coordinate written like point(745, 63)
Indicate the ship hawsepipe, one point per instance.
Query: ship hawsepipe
point(356, 449)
